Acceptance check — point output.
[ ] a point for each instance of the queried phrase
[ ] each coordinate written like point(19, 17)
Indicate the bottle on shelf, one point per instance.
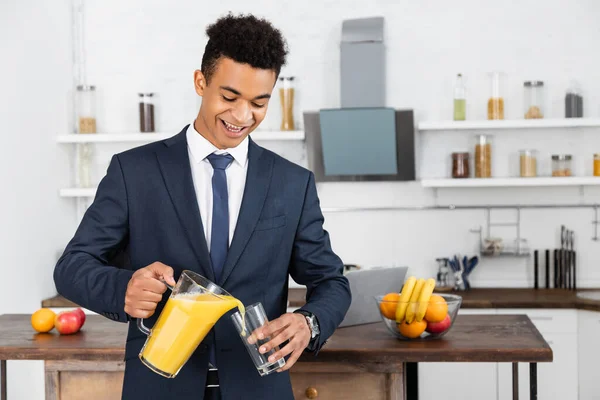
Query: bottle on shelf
point(460, 99)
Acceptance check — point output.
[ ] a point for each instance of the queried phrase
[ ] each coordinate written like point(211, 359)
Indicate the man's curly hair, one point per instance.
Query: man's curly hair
point(245, 39)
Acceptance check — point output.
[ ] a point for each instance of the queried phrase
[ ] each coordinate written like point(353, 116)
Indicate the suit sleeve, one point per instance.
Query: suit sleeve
point(315, 265)
point(83, 274)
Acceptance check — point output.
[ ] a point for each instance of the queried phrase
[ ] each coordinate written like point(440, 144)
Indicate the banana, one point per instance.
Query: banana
point(405, 294)
point(424, 298)
point(412, 303)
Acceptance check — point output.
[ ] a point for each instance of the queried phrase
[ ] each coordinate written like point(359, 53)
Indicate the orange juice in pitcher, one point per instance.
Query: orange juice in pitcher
point(193, 308)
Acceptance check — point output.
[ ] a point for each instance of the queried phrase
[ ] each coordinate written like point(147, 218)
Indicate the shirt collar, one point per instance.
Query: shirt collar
point(200, 147)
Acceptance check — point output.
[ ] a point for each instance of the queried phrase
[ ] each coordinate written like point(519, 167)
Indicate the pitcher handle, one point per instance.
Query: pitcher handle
point(140, 321)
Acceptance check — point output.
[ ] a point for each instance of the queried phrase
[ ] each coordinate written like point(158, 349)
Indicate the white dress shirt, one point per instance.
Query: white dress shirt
point(202, 171)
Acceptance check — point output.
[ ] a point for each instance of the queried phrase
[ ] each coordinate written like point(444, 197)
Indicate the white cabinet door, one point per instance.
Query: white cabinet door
point(558, 379)
point(465, 381)
point(555, 380)
point(588, 354)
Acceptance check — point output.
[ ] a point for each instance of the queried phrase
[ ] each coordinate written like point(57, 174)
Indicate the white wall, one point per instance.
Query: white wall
point(35, 77)
point(156, 45)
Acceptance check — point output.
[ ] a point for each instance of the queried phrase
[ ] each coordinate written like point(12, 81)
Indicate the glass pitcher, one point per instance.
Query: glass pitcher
point(194, 306)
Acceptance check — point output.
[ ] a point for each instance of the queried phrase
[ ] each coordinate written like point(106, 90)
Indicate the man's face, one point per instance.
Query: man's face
point(234, 103)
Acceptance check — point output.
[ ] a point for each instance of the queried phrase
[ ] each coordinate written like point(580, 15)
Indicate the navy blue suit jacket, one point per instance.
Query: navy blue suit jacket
point(146, 208)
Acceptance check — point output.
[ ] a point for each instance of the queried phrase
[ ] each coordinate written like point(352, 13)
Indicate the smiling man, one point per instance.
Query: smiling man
point(211, 200)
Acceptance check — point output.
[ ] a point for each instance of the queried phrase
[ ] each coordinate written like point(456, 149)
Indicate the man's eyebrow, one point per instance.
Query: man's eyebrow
point(237, 93)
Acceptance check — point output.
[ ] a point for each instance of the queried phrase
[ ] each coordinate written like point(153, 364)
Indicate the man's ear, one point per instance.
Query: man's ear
point(199, 82)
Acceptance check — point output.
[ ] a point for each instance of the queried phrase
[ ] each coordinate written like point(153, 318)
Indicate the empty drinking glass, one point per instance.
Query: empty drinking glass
point(254, 318)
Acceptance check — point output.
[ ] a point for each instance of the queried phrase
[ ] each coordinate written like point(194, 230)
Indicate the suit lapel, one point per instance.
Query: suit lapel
point(258, 178)
point(175, 167)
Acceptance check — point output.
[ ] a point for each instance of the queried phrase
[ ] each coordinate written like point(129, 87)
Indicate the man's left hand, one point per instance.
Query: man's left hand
point(290, 326)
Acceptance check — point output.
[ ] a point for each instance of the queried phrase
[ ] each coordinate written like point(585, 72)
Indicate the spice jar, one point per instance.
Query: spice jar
point(286, 96)
point(496, 101)
point(460, 165)
point(146, 112)
point(86, 109)
point(597, 164)
point(561, 165)
point(483, 156)
point(533, 99)
point(528, 163)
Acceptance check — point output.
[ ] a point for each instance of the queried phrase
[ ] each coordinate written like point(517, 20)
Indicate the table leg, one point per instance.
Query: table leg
point(533, 381)
point(515, 380)
point(412, 381)
point(3, 380)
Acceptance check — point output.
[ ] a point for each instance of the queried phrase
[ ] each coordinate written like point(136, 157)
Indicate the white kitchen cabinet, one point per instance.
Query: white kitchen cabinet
point(588, 353)
point(467, 381)
point(556, 380)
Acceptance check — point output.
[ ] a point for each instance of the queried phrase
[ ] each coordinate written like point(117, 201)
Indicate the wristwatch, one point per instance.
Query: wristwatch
point(313, 324)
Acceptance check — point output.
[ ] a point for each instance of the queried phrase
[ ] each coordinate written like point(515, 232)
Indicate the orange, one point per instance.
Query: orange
point(412, 330)
point(389, 304)
point(43, 320)
point(437, 309)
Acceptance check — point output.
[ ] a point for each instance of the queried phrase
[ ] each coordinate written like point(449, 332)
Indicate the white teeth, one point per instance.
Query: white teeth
point(233, 128)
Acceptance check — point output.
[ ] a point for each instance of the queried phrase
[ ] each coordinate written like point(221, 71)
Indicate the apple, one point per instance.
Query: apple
point(439, 327)
point(81, 315)
point(67, 322)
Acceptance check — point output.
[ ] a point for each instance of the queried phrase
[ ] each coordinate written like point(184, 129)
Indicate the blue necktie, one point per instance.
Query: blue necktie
point(219, 237)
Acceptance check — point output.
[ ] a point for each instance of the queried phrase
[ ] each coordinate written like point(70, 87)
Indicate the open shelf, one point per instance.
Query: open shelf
point(511, 182)
point(152, 137)
point(509, 124)
point(77, 192)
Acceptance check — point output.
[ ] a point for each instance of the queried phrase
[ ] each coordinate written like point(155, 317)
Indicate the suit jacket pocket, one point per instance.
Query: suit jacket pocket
point(270, 223)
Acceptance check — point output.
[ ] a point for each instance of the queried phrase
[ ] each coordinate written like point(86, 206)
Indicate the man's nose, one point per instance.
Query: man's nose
point(242, 112)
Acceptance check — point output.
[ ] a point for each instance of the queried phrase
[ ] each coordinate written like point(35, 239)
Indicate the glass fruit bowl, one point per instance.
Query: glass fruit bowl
point(419, 321)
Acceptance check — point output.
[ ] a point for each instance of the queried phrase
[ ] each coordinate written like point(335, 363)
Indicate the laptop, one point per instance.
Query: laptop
point(365, 285)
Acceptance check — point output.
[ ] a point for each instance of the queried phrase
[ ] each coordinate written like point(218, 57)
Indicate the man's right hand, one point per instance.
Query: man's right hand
point(145, 289)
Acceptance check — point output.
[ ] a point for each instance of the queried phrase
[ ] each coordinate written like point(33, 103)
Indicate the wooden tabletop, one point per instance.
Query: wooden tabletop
point(483, 338)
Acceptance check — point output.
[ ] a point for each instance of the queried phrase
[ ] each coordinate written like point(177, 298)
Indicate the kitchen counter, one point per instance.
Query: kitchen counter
point(508, 298)
point(358, 362)
point(475, 298)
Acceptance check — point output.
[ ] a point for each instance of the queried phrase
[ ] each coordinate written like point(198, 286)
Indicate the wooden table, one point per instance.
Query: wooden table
point(366, 351)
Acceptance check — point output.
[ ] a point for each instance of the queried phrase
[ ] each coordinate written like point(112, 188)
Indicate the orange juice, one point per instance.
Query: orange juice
point(182, 325)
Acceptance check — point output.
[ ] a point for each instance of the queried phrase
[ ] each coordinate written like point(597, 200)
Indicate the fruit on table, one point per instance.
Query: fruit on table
point(81, 315)
point(69, 322)
point(43, 320)
point(437, 310)
point(411, 310)
point(424, 297)
point(413, 329)
point(389, 304)
point(439, 327)
point(405, 294)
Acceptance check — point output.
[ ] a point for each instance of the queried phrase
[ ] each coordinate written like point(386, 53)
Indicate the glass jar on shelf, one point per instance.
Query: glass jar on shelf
point(597, 164)
point(496, 100)
point(574, 101)
point(460, 165)
point(483, 156)
point(84, 151)
point(561, 165)
point(286, 97)
point(528, 163)
point(534, 99)
point(146, 112)
point(86, 109)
